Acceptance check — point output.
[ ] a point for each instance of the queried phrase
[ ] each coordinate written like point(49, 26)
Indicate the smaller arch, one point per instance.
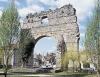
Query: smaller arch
point(44, 21)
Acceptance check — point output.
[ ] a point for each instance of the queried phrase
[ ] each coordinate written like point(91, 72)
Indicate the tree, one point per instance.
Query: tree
point(92, 41)
point(85, 56)
point(70, 55)
point(65, 61)
point(1, 56)
point(26, 45)
point(9, 32)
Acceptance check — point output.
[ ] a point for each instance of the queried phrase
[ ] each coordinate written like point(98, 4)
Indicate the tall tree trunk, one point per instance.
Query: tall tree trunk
point(5, 73)
point(6, 66)
point(73, 66)
point(79, 67)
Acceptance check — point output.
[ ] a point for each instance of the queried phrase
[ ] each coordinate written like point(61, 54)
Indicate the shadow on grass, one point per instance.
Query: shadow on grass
point(73, 75)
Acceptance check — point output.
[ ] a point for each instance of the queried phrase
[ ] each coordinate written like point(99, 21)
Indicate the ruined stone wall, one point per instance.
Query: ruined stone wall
point(61, 22)
point(63, 15)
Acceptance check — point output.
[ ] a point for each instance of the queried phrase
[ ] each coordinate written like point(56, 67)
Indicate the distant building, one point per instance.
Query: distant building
point(37, 60)
point(50, 58)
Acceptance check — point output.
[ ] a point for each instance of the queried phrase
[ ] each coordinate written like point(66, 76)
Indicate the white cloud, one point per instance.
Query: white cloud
point(51, 3)
point(30, 9)
point(0, 13)
point(1, 8)
point(83, 7)
point(48, 2)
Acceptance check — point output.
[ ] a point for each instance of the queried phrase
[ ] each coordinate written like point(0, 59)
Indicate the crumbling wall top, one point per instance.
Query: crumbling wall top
point(66, 10)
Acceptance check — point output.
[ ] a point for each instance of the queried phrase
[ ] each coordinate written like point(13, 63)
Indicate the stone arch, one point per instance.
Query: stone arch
point(30, 63)
point(29, 49)
point(61, 45)
point(61, 23)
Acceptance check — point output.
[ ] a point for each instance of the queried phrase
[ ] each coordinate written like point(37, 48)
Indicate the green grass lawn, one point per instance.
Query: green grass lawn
point(70, 74)
point(52, 76)
point(60, 74)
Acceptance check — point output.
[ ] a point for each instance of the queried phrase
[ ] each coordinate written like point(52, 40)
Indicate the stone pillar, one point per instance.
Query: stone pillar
point(72, 43)
point(72, 46)
point(61, 48)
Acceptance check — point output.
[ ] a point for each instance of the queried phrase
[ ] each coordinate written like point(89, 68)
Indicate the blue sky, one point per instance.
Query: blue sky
point(83, 10)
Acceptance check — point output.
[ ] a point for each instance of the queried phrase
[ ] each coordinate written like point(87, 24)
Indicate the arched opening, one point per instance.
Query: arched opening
point(44, 21)
point(45, 52)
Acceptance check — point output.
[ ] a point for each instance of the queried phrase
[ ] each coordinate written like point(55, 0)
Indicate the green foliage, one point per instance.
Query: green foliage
point(70, 55)
point(84, 56)
point(92, 30)
point(9, 27)
point(26, 45)
point(25, 37)
point(9, 33)
point(92, 39)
